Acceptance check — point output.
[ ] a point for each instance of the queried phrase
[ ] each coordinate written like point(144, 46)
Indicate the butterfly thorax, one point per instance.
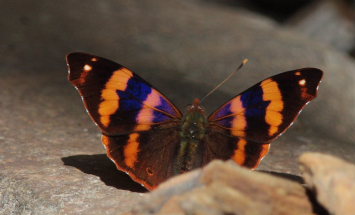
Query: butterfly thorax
point(193, 131)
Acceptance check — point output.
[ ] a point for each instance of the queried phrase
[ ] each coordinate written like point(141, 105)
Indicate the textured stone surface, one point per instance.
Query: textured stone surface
point(336, 19)
point(51, 158)
point(333, 181)
point(225, 188)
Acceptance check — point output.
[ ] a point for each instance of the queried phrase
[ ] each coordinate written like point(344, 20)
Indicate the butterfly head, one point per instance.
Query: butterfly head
point(196, 107)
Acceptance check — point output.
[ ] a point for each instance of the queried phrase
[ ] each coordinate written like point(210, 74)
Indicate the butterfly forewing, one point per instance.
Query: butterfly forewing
point(118, 100)
point(261, 113)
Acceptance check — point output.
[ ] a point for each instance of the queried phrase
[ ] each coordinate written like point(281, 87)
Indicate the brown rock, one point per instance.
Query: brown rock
point(333, 181)
point(226, 188)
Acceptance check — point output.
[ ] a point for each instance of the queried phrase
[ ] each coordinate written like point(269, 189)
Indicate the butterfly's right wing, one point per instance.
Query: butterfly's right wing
point(221, 145)
point(257, 116)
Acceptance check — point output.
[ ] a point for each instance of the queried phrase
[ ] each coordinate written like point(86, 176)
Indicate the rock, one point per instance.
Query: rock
point(336, 19)
point(226, 188)
point(333, 181)
point(51, 158)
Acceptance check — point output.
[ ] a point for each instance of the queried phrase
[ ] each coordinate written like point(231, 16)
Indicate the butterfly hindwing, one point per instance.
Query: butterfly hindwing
point(143, 155)
point(261, 113)
point(118, 100)
point(221, 145)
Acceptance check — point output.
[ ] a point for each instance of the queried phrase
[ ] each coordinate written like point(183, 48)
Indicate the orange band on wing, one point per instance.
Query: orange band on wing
point(145, 116)
point(239, 153)
point(110, 103)
point(239, 122)
point(272, 93)
point(245, 158)
point(131, 150)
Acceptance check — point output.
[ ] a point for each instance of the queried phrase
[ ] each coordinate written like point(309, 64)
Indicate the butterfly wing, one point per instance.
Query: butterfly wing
point(144, 155)
point(118, 100)
point(260, 114)
point(132, 115)
point(221, 145)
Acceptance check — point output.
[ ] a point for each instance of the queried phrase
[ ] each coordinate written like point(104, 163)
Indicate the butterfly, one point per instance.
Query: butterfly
point(149, 138)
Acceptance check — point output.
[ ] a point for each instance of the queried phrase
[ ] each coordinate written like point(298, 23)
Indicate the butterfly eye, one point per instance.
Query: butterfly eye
point(87, 67)
point(149, 171)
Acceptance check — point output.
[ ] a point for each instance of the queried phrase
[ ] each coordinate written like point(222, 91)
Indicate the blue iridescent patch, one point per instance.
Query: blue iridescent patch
point(253, 102)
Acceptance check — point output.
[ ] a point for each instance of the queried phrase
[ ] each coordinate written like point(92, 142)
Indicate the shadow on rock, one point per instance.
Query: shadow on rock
point(317, 207)
point(291, 177)
point(100, 165)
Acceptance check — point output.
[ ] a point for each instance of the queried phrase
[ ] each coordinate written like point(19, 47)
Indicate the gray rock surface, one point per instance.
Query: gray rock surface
point(51, 158)
point(333, 181)
point(336, 19)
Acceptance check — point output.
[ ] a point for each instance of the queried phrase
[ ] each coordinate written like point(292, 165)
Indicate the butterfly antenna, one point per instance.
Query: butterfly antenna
point(225, 80)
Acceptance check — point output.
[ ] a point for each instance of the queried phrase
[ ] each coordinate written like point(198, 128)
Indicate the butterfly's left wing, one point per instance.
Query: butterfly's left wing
point(117, 99)
point(254, 118)
point(146, 156)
